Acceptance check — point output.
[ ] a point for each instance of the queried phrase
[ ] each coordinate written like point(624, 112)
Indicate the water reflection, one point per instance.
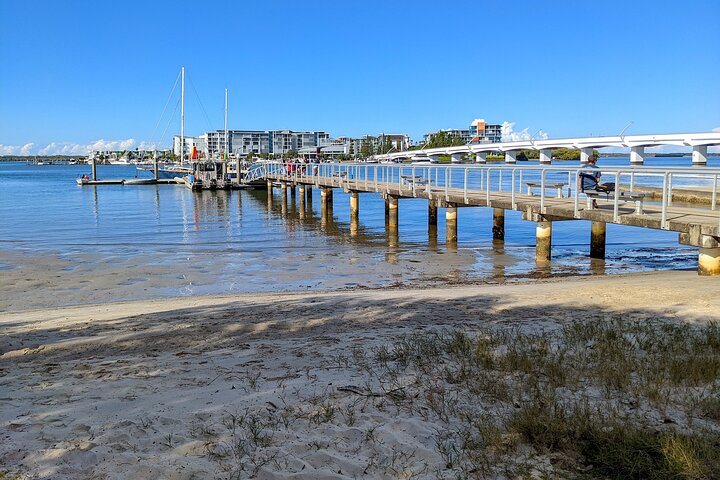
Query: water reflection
point(303, 215)
point(157, 204)
point(499, 259)
point(96, 207)
point(597, 266)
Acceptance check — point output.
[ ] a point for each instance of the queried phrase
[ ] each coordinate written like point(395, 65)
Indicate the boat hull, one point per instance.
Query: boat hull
point(140, 181)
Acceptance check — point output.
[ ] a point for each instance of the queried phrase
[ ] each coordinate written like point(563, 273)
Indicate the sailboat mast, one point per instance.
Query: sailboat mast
point(182, 117)
point(227, 140)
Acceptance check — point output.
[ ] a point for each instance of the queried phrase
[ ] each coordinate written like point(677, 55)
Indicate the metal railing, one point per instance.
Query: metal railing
point(489, 179)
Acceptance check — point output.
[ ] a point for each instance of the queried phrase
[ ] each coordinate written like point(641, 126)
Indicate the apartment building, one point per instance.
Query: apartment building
point(478, 132)
point(200, 144)
point(279, 142)
point(244, 142)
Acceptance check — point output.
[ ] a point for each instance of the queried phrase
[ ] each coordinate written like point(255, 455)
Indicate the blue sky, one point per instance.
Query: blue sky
point(77, 72)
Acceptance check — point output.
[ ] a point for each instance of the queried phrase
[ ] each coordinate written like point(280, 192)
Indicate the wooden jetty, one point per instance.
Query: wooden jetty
point(452, 187)
point(131, 181)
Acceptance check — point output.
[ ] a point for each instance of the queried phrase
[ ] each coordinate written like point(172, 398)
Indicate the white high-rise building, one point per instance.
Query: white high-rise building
point(275, 142)
point(200, 144)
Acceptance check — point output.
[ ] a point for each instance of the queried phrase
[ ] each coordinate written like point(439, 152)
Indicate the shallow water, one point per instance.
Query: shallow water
point(65, 244)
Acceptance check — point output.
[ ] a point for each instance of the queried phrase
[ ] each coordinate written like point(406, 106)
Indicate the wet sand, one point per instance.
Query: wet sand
point(150, 389)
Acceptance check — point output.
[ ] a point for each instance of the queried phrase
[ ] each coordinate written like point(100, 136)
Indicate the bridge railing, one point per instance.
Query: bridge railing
point(489, 179)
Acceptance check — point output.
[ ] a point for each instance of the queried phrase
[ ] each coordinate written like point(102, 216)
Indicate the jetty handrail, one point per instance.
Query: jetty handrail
point(494, 178)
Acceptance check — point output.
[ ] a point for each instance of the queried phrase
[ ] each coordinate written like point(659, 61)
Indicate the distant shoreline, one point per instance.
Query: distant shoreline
point(25, 158)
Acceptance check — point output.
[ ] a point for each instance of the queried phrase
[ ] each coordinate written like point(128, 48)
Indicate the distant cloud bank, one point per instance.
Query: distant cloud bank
point(67, 148)
point(16, 149)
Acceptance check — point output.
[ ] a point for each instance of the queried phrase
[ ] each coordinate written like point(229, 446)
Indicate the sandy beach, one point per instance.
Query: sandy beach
point(280, 385)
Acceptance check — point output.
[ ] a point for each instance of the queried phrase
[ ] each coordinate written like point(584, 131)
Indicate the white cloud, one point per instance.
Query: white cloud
point(16, 149)
point(509, 135)
point(65, 148)
point(68, 148)
point(716, 130)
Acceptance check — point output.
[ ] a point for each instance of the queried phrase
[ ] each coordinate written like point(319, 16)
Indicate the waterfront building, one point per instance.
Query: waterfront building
point(248, 142)
point(242, 143)
point(331, 150)
point(253, 142)
point(200, 144)
point(368, 145)
point(481, 132)
point(478, 132)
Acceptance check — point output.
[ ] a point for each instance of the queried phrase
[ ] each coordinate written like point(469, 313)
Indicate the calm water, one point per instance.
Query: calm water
point(61, 243)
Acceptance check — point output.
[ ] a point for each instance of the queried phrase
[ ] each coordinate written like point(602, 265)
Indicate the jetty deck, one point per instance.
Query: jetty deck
point(679, 219)
point(697, 226)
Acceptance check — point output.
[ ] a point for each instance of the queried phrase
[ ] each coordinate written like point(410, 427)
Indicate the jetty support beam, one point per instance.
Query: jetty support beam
point(543, 241)
point(301, 187)
point(354, 213)
point(498, 229)
point(284, 203)
point(391, 207)
point(709, 261)
point(709, 254)
point(432, 213)
point(597, 239)
point(94, 168)
point(451, 224)
point(326, 196)
point(354, 205)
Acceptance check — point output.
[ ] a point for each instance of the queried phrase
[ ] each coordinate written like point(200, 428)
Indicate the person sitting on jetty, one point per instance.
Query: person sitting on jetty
point(590, 179)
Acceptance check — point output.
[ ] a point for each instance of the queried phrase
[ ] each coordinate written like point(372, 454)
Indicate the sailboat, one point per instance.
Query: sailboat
point(208, 174)
point(165, 170)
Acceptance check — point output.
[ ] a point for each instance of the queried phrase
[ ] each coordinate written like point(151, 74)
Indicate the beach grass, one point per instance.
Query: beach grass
point(600, 399)
point(610, 399)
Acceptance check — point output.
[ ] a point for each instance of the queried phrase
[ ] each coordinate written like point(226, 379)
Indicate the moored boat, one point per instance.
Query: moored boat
point(140, 181)
point(168, 171)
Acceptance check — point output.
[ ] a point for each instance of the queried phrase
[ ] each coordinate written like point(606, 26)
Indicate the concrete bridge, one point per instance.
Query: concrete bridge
point(544, 195)
point(636, 144)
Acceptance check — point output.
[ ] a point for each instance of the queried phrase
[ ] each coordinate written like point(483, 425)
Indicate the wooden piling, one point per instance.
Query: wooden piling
point(543, 241)
point(451, 224)
point(597, 239)
point(498, 229)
